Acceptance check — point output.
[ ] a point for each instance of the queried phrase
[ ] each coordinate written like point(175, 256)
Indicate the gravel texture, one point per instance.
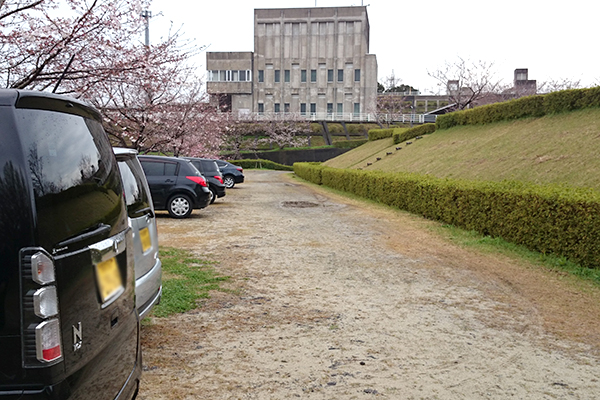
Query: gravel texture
point(333, 298)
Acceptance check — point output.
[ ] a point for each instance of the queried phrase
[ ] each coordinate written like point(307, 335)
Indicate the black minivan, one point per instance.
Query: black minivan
point(69, 327)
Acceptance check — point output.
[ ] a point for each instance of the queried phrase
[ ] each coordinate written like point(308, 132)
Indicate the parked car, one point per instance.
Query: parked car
point(213, 175)
point(232, 174)
point(175, 184)
point(148, 267)
point(69, 327)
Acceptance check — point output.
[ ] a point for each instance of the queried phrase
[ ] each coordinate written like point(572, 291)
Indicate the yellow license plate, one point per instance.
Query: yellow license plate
point(145, 238)
point(109, 278)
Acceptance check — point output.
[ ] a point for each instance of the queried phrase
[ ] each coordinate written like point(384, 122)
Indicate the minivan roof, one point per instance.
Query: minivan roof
point(21, 98)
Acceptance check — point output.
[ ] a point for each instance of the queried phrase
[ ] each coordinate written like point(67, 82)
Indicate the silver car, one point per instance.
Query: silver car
point(148, 267)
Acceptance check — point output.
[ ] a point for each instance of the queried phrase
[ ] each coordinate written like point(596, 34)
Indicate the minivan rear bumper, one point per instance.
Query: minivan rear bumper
point(62, 390)
point(146, 294)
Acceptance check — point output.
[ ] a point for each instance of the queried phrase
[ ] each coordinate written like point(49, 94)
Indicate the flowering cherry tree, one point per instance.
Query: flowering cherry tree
point(66, 46)
point(150, 96)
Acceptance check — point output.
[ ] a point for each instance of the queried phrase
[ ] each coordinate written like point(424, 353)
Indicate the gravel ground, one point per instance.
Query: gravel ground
point(333, 298)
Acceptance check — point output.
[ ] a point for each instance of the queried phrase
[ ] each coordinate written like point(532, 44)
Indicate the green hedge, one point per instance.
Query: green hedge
point(401, 135)
point(548, 219)
point(349, 144)
point(525, 107)
point(261, 164)
point(377, 134)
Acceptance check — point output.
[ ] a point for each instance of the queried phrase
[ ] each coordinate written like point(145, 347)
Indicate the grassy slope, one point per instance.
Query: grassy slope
point(554, 149)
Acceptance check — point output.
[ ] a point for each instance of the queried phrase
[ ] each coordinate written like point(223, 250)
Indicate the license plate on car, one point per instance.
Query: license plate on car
point(145, 239)
point(109, 278)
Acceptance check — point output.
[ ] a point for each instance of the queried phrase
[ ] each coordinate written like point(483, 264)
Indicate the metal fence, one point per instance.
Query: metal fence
point(343, 117)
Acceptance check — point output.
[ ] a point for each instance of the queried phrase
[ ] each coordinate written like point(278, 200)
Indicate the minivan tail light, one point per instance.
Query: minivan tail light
point(40, 309)
point(42, 268)
point(45, 302)
point(47, 338)
point(219, 178)
point(198, 179)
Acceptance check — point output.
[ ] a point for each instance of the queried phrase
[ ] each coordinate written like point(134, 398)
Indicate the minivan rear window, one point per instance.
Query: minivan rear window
point(75, 180)
point(135, 196)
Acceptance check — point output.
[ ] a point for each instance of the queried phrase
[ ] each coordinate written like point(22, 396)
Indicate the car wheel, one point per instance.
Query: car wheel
point(229, 181)
point(180, 206)
point(213, 195)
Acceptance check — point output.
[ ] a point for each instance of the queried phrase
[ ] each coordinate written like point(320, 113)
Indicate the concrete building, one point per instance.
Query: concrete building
point(312, 62)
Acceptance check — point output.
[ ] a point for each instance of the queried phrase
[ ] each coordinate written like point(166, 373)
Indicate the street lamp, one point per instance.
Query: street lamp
point(147, 14)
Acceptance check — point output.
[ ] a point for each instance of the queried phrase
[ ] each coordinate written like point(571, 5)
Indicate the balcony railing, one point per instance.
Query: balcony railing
point(340, 117)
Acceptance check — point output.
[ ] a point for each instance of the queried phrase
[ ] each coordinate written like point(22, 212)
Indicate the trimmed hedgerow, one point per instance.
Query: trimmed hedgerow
point(261, 164)
point(549, 219)
point(525, 107)
point(401, 135)
point(377, 134)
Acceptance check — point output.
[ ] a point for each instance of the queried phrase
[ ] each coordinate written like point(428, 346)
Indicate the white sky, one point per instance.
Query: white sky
point(554, 40)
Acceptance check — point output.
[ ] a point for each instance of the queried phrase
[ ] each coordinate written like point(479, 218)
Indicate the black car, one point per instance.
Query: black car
point(211, 172)
point(175, 184)
point(68, 318)
point(232, 174)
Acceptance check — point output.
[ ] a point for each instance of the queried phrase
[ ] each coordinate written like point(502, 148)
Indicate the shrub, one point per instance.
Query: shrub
point(349, 144)
point(261, 164)
point(377, 134)
point(525, 107)
point(403, 134)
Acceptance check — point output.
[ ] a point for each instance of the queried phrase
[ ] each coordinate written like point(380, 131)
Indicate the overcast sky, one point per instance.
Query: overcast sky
point(554, 40)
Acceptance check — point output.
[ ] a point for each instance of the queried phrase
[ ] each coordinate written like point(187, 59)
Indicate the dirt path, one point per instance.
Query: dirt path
point(339, 300)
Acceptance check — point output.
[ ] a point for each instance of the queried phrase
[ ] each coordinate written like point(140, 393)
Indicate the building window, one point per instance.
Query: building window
point(357, 75)
point(230, 76)
point(329, 108)
point(340, 108)
point(277, 108)
point(286, 107)
point(340, 75)
point(313, 108)
point(261, 108)
point(303, 75)
point(286, 75)
point(356, 109)
point(277, 76)
point(329, 75)
point(303, 108)
point(313, 75)
point(261, 75)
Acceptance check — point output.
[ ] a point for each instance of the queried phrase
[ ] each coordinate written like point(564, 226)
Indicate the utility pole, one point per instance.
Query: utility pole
point(147, 14)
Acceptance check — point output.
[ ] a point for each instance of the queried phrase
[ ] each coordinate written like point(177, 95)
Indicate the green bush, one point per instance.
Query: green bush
point(403, 134)
point(525, 107)
point(261, 164)
point(377, 134)
point(548, 219)
point(349, 144)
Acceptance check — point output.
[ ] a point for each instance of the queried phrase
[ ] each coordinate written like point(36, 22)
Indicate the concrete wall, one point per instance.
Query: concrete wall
point(292, 43)
point(323, 40)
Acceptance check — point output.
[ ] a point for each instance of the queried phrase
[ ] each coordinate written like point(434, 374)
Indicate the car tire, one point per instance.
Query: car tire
point(229, 181)
point(180, 206)
point(213, 195)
